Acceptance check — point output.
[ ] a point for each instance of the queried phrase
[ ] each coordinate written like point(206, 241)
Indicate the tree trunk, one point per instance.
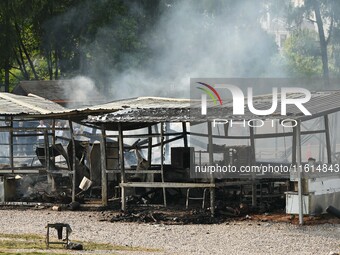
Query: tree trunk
point(323, 43)
point(23, 47)
point(56, 69)
point(7, 49)
point(7, 67)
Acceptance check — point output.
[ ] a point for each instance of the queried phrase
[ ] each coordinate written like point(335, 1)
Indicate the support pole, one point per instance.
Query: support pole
point(162, 161)
point(47, 160)
point(299, 170)
point(185, 134)
point(226, 129)
point(294, 146)
point(150, 145)
point(121, 161)
point(211, 162)
point(54, 139)
point(253, 159)
point(53, 132)
point(328, 140)
point(150, 149)
point(11, 150)
point(73, 162)
point(103, 166)
point(47, 151)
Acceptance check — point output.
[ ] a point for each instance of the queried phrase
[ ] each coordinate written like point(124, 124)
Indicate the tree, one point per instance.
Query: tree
point(326, 15)
point(6, 41)
point(302, 54)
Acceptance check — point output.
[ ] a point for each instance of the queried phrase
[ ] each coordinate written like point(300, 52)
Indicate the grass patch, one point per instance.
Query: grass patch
point(21, 236)
point(30, 253)
point(11, 242)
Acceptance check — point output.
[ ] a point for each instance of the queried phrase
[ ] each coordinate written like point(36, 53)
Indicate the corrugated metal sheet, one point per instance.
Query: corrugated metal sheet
point(141, 103)
point(13, 105)
point(153, 109)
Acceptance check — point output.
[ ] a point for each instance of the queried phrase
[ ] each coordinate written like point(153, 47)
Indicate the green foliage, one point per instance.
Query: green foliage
point(302, 54)
point(50, 39)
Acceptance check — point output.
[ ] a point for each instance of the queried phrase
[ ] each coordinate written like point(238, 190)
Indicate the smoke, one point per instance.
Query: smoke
point(190, 39)
point(81, 91)
point(190, 42)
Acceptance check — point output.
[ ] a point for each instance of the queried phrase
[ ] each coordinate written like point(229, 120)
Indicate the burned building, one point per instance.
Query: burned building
point(146, 149)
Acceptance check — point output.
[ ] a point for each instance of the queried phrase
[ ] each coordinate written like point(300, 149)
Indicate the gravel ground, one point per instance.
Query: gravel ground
point(246, 237)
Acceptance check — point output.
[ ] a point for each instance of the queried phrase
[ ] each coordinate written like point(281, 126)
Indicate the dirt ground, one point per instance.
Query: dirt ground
point(250, 234)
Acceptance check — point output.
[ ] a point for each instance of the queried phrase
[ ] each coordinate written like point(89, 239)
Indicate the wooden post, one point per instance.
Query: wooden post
point(294, 146)
point(253, 160)
point(150, 145)
point(185, 134)
point(211, 162)
point(328, 140)
point(226, 129)
point(121, 160)
point(299, 170)
point(73, 162)
point(162, 161)
point(103, 166)
point(53, 132)
point(47, 151)
point(47, 160)
point(53, 138)
point(150, 150)
point(11, 150)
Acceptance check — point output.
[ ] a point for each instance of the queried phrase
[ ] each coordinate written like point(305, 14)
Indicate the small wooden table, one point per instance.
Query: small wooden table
point(59, 227)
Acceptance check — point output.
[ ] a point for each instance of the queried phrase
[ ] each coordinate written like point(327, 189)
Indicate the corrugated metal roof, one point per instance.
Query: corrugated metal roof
point(141, 103)
point(13, 105)
point(153, 109)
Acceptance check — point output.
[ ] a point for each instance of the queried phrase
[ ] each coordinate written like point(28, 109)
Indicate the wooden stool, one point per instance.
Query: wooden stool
point(59, 227)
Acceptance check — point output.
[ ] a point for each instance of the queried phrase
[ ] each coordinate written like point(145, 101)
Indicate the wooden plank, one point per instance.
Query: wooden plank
point(235, 183)
point(134, 171)
point(103, 166)
point(259, 136)
point(11, 151)
point(294, 146)
point(167, 185)
point(299, 172)
point(253, 160)
point(147, 135)
point(122, 167)
point(185, 134)
point(150, 145)
point(328, 140)
point(19, 171)
point(162, 161)
point(164, 142)
point(73, 162)
point(47, 160)
point(211, 162)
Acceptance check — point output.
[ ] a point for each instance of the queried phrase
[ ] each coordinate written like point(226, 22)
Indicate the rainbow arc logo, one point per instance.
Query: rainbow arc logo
point(211, 92)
